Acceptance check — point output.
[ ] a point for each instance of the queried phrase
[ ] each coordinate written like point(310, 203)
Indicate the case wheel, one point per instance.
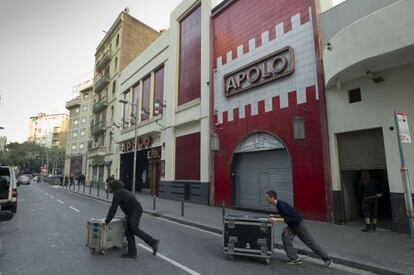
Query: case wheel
point(103, 252)
point(267, 261)
point(229, 257)
point(92, 250)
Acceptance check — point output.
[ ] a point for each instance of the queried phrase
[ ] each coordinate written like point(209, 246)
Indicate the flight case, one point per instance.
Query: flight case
point(250, 236)
point(101, 237)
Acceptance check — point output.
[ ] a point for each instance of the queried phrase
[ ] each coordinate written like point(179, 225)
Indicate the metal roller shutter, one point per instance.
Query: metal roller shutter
point(258, 172)
point(361, 150)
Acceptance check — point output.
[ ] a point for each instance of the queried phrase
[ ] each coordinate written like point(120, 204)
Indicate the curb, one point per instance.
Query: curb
point(336, 260)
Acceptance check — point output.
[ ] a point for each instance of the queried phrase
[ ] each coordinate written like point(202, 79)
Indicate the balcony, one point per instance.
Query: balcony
point(98, 128)
point(76, 102)
point(96, 152)
point(101, 83)
point(103, 61)
point(100, 105)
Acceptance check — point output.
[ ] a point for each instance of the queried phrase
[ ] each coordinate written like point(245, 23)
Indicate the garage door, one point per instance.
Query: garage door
point(361, 150)
point(260, 171)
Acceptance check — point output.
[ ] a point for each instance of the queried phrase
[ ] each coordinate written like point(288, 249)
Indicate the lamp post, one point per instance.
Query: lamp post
point(134, 170)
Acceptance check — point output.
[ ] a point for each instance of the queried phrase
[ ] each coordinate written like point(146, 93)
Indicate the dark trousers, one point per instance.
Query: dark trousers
point(369, 208)
point(303, 234)
point(132, 230)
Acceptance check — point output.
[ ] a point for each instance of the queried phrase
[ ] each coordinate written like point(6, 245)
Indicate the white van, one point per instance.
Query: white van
point(8, 189)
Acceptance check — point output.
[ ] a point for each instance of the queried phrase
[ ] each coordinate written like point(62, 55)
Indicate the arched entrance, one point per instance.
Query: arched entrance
point(261, 162)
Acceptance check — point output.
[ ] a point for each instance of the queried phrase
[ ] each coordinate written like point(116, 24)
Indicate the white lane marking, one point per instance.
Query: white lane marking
point(171, 261)
point(47, 194)
point(51, 196)
point(191, 227)
point(74, 209)
point(61, 201)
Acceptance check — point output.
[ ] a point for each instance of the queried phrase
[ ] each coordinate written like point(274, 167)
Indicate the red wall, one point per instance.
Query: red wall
point(235, 25)
point(187, 157)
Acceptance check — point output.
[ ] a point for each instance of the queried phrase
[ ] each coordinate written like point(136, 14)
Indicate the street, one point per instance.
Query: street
point(48, 236)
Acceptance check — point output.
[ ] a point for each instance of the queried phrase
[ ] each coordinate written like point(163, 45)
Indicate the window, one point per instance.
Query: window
point(76, 122)
point(75, 134)
point(77, 110)
point(146, 89)
point(116, 64)
point(84, 107)
point(125, 117)
point(73, 147)
point(84, 120)
point(135, 99)
point(82, 133)
point(190, 57)
point(299, 128)
point(112, 113)
point(158, 90)
point(113, 87)
point(354, 95)
point(86, 96)
point(81, 146)
point(117, 40)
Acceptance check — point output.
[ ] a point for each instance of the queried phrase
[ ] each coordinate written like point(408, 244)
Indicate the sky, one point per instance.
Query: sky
point(48, 46)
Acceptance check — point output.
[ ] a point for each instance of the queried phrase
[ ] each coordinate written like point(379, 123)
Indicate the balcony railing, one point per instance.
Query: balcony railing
point(98, 127)
point(99, 151)
point(103, 61)
point(76, 102)
point(100, 105)
point(101, 83)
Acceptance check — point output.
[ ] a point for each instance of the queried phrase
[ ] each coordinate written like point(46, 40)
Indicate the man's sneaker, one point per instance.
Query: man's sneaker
point(367, 228)
point(327, 263)
point(374, 228)
point(128, 255)
point(155, 247)
point(296, 261)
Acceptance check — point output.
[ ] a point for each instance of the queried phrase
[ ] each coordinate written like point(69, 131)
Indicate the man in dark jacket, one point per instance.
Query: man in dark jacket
point(369, 192)
point(133, 212)
point(295, 227)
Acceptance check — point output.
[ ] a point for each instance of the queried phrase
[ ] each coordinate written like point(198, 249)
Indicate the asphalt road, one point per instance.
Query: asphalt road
point(48, 236)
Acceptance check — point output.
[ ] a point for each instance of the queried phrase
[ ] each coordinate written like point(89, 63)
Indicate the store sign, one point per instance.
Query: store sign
point(259, 72)
point(154, 154)
point(143, 143)
point(404, 130)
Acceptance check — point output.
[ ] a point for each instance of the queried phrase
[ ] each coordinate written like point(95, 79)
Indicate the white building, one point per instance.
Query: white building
point(369, 67)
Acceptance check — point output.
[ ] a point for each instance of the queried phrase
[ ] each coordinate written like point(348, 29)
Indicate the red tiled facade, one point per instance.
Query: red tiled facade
point(247, 30)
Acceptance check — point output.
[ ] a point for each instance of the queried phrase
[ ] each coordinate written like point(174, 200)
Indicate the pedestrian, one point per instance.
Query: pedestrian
point(133, 212)
point(295, 227)
point(71, 180)
point(82, 179)
point(109, 179)
point(369, 191)
point(66, 180)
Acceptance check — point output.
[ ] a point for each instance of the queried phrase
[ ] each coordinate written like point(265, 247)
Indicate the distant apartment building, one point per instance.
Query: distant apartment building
point(3, 141)
point(78, 133)
point(48, 130)
point(125, 40)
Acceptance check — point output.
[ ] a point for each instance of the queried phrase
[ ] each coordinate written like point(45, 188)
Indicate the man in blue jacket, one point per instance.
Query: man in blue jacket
point(295, 227)
point(133, 212)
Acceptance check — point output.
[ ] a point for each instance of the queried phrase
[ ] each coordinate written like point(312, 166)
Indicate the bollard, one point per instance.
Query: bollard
point(223, 209)
point(153, 202)
point(182, 208)
point(84, 187)
point(107, 193)
point(98, 189)
point(78, 187)
point(90, 188)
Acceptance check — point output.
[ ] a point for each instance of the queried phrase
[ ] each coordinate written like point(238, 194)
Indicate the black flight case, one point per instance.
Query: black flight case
point(250, 236)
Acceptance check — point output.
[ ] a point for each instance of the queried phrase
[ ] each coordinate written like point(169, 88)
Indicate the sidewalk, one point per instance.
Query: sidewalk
point(382, 252)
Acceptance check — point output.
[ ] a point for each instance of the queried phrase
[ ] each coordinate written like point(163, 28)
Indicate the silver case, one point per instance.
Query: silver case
point(102, 236)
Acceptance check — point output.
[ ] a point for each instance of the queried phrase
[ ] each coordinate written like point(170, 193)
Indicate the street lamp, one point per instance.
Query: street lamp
point(134, 171)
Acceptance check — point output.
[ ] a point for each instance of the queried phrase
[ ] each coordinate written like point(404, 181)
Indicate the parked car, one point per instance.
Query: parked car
point(8, 189)
point(24, 179)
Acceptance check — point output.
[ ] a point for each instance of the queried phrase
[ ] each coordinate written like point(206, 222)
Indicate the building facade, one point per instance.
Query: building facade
point(49, 130)
point(78, 133)
point(369, 64)
point(169, 82)
point(126, 38)
point(269, 127)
